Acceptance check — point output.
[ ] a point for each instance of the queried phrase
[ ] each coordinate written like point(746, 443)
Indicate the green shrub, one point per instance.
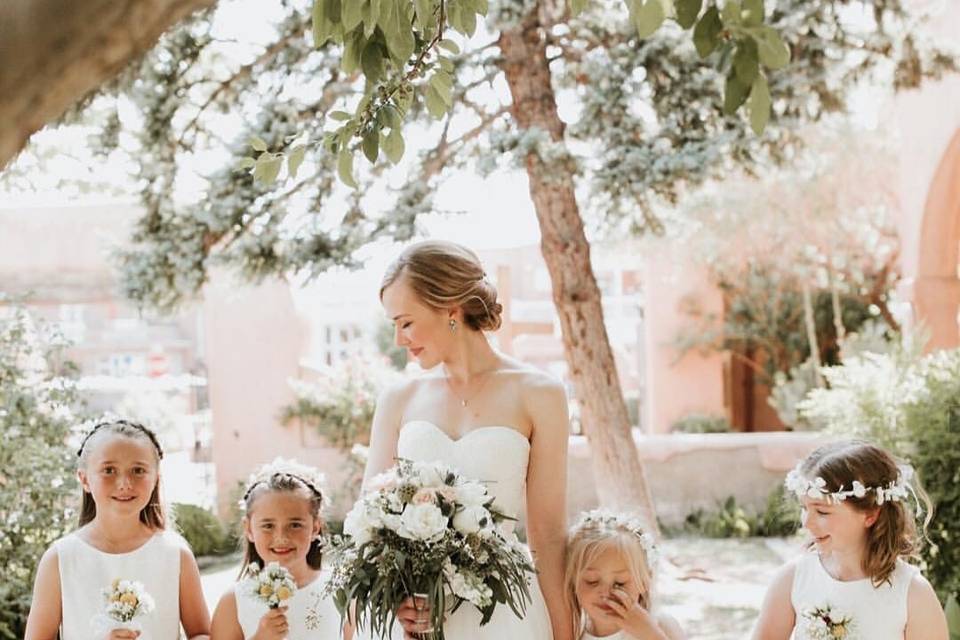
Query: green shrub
point(38, 491)
point(698, 423)
point(910, 405)
point(730, 520)
point(204, 532)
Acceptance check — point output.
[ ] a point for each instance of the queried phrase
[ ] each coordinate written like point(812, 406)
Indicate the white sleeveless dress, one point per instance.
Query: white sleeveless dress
point(878, 613)
point(85, 571)
point(497, 456)
point(309, 614)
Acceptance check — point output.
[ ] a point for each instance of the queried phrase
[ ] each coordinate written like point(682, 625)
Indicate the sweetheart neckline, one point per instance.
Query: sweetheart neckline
point(456, 441)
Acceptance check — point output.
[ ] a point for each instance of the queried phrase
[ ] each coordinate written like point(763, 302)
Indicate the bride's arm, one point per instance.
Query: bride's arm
point(546, 403)
point(385, 430)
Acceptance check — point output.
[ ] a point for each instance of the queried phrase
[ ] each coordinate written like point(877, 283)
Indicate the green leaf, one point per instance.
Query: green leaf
point(393, 145)
point(246, 163)
point(352, 14)
point(449, 45)
point(295, 159)
point(268, 168)
point(952, 611)
point(372, 62)
point(257, 143)
point(730, 13)
point(774, 53)
point(321, 24)
point(759, 104)
point(706, 35)
point(444, 86)
point(435, 103)
point(753, 13)
point(424, 13)
point(468, 22)
point(734, 93)
point(746, 61)
point(352, 50)
point(393, 118)
point(345, 167)
point(339, 115)
point(371, 144)
point(687, 12)
point(577, 7)
point(647, 16)
point(369, 14)
point(446, 64)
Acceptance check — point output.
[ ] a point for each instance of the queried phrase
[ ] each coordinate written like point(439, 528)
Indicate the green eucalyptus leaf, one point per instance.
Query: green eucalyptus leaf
point(372, 62)
point(436, 105)
point(393, 118)
point(446, 64)
point(734, 93)
point(952, 611)
point(371, 144)
point(393, 145)
point(257, 143)
point(647, 16)
point(449, 45)
point(245, 163)
point(295, 159)
point(425, 11)
point(345, 167)
point(268, 168)
point(687, 12)
point(759, 104)
point(746, 61)
point(444, 86)
point(730, 14)
point(352, 50)
point(753, 13)
point(352, 14)
point(369, 14)
point(774, 53)
point(706, 35)
point(339, 115)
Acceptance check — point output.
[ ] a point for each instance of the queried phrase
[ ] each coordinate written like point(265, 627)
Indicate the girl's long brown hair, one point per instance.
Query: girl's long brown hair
point(152, 514)
point(894, 534)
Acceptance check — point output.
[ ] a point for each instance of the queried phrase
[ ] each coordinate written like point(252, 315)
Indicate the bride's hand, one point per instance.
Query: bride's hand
point(413, 618)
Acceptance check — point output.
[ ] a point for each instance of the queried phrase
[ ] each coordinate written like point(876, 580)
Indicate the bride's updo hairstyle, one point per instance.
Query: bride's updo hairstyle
point(445, 275)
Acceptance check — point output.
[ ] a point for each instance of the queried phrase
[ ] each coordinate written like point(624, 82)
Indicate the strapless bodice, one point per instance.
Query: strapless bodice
point(496, 456)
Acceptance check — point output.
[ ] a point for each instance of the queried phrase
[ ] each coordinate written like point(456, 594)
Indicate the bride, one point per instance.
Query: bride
point(492, 417)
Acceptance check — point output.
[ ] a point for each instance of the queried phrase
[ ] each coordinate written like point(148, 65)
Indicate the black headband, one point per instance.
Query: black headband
point(127, 423)
point(259, 481)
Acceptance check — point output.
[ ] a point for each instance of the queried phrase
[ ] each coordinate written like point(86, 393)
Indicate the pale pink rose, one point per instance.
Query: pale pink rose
point(449, 493)
point(424, 496)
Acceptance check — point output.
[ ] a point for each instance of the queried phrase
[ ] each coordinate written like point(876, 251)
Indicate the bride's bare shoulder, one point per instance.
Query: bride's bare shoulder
point(531, 379)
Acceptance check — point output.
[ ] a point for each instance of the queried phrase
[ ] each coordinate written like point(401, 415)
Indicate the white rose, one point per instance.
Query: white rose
point(357, 525)
point(472, 494)
point(422, 522)
point(471, 519)
point(431, 475)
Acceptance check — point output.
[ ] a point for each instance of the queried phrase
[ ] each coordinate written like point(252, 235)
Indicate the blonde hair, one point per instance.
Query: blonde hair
point(587, 540)
point(894, 533)
point(445, 275)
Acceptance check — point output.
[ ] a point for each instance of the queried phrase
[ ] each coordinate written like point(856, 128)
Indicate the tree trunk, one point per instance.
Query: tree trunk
point(617, 469)
point(54, 52)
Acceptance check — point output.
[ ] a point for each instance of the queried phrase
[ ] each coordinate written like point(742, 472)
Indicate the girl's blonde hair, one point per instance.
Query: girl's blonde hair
point(595, 533)
point(894, 533)
point(444, 275)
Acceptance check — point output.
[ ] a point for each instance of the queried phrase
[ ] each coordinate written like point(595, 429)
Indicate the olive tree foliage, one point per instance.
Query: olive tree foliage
point(276, 128)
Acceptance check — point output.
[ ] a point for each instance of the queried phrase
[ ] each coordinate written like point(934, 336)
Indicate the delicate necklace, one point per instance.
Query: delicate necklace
point(468, 398)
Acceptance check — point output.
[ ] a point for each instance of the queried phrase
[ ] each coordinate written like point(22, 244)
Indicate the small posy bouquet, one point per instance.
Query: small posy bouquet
point(826, 623)
point(425, 532)
point(123, 602)
point(273, 585)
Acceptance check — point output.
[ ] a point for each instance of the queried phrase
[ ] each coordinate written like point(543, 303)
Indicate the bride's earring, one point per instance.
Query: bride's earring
point(453, 325)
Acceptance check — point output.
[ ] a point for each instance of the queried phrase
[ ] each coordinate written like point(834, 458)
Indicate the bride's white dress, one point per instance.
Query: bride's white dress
point(497, 456)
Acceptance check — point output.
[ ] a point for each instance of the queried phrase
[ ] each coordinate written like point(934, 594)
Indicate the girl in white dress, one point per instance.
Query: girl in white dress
point(609, 580)
point(121, 536)
point(853, 582)
point(493, 418)
point(282, 524)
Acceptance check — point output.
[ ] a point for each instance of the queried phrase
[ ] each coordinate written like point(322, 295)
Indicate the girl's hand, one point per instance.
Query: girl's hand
point(123, 634)
point(414, 617)
point(633, 618)
point(273, 625)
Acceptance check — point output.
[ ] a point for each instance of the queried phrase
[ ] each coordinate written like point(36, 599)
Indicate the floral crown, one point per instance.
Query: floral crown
point(815, 488)
point(612, 521)
point(90, 427)
point(309, 476)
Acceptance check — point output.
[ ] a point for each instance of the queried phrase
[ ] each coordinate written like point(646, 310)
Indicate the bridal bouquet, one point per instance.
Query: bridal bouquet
point(123, 602)
point(826, 623)
point(273, 585)
point(425, 531)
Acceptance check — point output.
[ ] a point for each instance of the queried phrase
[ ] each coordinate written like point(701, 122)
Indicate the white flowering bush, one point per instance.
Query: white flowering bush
point(424, 529)
point(37, 485)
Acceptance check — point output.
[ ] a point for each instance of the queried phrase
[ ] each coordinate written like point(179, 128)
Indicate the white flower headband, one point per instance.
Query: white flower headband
point(611, 520)
point(815, 488)
point(306, 474)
